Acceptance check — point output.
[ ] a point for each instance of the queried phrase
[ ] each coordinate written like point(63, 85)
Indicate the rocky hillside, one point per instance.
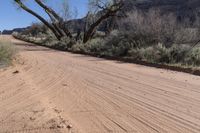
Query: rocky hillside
point(182, 8)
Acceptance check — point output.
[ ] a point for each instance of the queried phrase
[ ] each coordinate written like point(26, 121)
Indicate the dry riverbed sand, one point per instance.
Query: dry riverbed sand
point(48, 91)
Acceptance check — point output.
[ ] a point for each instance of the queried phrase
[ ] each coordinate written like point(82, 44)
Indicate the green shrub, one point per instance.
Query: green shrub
point(178, 53)
point(193, 57)
point(158, 54)
point(94, 46)
point(140, 53)
point(162, 54)
point(118, 44)
point(78, 47)
point(154, 54)
point(64, 44)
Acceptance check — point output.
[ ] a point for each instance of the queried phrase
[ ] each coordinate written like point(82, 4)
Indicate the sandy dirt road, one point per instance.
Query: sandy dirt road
point(48, 91)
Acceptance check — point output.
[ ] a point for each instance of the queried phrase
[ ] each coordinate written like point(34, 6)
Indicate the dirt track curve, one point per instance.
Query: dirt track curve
point(48, 91)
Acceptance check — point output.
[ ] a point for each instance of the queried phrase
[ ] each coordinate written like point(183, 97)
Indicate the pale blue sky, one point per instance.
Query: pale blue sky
point(11, 18)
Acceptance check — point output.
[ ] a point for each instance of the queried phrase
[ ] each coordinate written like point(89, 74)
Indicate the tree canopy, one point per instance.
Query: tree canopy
point(101, 9)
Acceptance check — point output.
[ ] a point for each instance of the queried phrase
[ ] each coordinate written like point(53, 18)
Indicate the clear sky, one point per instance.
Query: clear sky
point(11, 17)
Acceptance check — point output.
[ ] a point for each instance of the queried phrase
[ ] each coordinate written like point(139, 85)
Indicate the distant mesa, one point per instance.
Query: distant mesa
point(9, 32)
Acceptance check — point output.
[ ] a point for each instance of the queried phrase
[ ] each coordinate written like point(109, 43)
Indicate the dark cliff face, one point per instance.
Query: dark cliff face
point(159, 3)
point(182, 8)
point(75, 25)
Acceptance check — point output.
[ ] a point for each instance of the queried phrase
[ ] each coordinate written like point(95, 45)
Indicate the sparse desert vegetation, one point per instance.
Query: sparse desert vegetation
point(142, 36)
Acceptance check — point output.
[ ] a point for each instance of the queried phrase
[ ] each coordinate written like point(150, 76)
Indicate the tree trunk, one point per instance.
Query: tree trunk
point(108, 12)
point(58, 36)
point(48, 9)
point(88, 34)
point(59, 22)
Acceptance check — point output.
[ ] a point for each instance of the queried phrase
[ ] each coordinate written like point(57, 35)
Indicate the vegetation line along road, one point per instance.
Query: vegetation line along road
point(113, 28)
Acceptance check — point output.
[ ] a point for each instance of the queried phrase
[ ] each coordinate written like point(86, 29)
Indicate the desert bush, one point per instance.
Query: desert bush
point(177, 54)
point(78, 47)
point(154, 54)
point(7, 51)
point(193, 57)
point(143, 54)
point(162, 54)
point(118, 44)
point(64, 44)
point(99, 34)
point(94, 46)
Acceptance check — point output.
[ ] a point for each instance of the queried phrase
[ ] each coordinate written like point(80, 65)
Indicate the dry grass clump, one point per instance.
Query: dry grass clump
point(7, 51)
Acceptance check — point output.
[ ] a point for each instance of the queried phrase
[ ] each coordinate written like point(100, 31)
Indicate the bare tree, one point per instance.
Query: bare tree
point(102, 9)
point(65, 10)
point(57, 23)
